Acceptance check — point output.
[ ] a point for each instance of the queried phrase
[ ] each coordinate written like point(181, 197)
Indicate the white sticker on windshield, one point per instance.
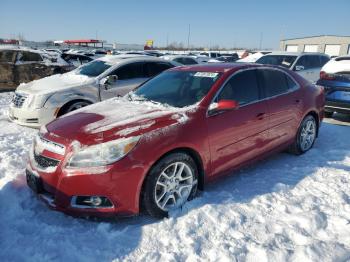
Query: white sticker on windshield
point(206, 74)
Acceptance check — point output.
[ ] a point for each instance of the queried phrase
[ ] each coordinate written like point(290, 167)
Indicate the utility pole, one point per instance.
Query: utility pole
point(188, 37)
point(261, 39)
point(167, 40)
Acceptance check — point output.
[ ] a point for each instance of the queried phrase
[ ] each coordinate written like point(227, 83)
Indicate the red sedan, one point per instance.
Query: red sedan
point(153, 149)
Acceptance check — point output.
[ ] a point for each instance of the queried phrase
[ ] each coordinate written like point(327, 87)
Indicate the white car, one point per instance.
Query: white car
point(181, 59)
point(41, 101)
point(308, 65)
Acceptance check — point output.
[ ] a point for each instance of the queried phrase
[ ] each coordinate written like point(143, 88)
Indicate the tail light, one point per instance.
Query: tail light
point(325, 76)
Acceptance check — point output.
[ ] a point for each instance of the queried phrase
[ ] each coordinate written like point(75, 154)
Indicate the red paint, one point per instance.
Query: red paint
point(223, 142)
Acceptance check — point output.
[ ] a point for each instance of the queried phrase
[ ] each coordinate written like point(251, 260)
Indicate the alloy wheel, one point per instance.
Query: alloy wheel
point(308, 134)
point(174, 186)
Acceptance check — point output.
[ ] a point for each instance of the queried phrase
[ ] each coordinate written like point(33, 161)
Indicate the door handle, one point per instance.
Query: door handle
point(260, 116)
point(297, 101)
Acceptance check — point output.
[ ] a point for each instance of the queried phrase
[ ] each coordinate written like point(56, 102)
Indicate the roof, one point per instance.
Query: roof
point(215, 67)
point(294, 53)
point(115, 59)
point(314, 37)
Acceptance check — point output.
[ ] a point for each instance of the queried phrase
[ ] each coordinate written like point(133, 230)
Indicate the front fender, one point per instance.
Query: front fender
point(59, 99)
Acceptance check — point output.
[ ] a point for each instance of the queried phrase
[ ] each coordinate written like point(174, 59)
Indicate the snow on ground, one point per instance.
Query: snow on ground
point(286, 208)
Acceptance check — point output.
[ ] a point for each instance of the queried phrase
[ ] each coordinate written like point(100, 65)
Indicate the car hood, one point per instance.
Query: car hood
point(55, 83)
point(116, 118)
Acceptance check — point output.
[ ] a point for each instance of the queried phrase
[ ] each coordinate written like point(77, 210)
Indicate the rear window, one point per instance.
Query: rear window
point(29, 57)
point(280, 60)
point(7, 56)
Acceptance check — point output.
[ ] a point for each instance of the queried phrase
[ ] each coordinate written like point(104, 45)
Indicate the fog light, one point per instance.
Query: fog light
point(91, 202)
point(94, 200)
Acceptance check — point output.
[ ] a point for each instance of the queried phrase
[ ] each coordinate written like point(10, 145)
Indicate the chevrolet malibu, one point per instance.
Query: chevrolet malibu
point(154, 148)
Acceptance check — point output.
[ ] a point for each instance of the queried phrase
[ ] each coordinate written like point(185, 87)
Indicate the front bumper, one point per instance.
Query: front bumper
point(119, 183)
point(31, 117)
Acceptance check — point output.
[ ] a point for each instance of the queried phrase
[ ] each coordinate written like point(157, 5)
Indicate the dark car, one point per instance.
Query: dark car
point(155, 147)
point(24, 65)
point(335, 78)
point(76, 60)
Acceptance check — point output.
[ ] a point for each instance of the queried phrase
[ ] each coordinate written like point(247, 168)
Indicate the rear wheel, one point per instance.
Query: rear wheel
point(306, 136)
point(170, 183)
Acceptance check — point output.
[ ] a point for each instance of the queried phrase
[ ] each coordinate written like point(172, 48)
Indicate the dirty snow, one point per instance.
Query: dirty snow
point(286, 208)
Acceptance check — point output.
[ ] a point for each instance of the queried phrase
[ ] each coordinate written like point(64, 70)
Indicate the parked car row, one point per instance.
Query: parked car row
point(41, 101)
point(152, 149)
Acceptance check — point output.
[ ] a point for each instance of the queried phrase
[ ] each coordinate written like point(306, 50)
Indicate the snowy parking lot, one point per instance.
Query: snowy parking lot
point(286, 208)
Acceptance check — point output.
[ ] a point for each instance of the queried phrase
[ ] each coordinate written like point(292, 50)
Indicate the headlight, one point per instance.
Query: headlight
point(36, 101)
point(103, 154)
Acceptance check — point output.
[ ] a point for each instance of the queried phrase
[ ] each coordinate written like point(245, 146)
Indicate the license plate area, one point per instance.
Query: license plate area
point(34, 182)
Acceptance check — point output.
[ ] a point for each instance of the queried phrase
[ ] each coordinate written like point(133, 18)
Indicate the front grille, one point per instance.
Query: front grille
point(44, 161)
point(18, 99)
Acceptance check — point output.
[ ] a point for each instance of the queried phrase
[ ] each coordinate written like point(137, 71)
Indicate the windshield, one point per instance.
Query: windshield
point(93, 68)
point(281, 60)
point(176, 88)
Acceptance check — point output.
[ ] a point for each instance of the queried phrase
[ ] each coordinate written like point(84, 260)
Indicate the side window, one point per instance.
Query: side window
point(29, 57)
point(130, 71)
point(314, 61)
point(7, 56)
point(275, 82)
point(309, 61)
point(179, 60)
point(189, 61)
point(324, 60)
point(302, 61)
point(155, 68)
point(242, 88)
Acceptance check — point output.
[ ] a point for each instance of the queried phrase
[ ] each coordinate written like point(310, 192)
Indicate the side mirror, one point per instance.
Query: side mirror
point(223, 105)
point(108, 80)
point(299, 68)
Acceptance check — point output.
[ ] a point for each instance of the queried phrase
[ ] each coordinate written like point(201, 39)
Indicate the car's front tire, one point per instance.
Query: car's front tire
point(305, 137)
point(171, 182)
point(74, 105)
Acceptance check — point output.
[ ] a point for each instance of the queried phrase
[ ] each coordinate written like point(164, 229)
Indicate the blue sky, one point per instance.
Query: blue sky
point(239, 23)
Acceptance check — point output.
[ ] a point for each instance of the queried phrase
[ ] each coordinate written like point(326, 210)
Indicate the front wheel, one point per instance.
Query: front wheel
point(170, 183)
point(306, 136)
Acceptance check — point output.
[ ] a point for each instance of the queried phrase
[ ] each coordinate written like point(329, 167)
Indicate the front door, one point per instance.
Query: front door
point(129, 76)
point(238, 135)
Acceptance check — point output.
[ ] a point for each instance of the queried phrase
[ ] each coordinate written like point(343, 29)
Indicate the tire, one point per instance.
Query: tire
point(305, 137)
point(73, 106)
point(163, 185)
point(328, 114)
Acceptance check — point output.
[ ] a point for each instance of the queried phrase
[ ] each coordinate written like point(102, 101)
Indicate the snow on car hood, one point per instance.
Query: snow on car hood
point(334, 66)
point(55, 83)
point(117, 118)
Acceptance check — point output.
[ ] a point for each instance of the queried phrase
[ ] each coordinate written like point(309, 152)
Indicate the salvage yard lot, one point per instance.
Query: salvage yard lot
point(286, 207)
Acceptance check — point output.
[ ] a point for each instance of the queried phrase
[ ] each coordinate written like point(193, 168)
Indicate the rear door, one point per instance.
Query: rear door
point(129, 76)
point(284, 101)
point(238, 135)
point(7, 65)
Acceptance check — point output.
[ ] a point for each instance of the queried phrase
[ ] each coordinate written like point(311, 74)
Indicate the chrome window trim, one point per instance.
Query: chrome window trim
point(260, 100)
